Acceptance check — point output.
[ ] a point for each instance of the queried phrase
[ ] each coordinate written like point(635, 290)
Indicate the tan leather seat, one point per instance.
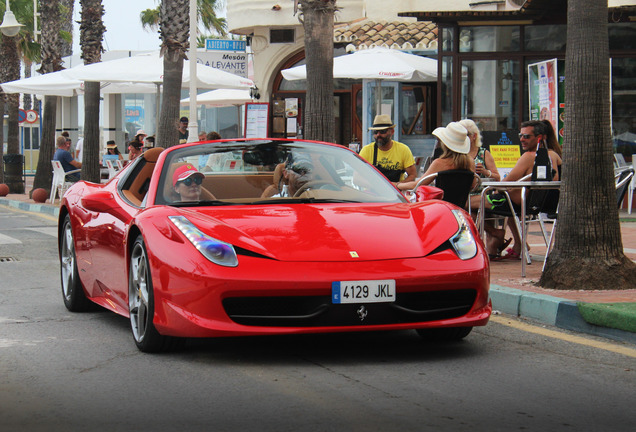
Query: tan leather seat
point(272, 189)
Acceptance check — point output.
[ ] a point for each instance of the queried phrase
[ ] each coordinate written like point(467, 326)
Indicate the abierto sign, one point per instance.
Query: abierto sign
point(232, 62)
point(225, 45)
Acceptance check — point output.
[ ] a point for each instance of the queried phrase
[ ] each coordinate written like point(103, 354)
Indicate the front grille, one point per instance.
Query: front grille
point(318, 311)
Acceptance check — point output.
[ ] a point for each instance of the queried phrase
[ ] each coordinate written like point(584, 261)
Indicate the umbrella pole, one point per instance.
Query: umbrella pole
point(238, 120)
point(378, 96)
point(157, 107)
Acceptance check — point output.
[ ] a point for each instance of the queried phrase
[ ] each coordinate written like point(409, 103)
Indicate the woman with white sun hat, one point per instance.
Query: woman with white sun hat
point(455, 145)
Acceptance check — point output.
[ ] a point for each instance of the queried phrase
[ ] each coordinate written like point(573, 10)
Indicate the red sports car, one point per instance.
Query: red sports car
point(267, 236)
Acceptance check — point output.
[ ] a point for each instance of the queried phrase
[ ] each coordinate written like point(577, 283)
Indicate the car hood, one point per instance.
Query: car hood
point(333, 232)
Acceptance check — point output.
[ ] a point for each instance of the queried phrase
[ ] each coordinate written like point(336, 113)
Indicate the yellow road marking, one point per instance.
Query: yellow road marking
point(630, 352)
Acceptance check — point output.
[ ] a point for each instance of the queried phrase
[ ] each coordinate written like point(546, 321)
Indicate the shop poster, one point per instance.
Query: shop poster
point(545, 87)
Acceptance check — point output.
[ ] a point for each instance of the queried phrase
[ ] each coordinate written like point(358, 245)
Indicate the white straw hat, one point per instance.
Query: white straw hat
point(454, 136)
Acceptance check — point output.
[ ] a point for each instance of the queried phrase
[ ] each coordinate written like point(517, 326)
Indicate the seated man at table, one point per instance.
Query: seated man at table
point(532, 133)
point(65, 157)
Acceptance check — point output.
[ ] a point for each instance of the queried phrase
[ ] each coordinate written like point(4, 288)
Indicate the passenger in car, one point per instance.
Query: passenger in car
point(297, 173)
point(187, 181)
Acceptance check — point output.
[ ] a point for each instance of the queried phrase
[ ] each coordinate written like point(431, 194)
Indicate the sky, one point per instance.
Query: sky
point(123, 26)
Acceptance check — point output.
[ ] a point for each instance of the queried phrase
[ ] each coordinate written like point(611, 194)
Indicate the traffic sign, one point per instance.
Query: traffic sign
point(32, 116)
point(21, 115)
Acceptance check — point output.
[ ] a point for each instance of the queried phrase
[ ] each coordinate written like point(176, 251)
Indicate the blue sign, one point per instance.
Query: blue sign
point(225, 45)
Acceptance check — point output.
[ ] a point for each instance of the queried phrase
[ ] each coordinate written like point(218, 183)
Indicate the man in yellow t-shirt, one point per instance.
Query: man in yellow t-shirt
point(391, 158)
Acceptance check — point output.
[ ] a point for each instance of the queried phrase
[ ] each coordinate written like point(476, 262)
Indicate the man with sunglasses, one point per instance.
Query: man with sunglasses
point(391, 158)
point(186, 181)
point(532, 134)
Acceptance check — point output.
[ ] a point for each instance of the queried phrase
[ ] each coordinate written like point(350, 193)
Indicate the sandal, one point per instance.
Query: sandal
point(511, 255)
point(503, 246)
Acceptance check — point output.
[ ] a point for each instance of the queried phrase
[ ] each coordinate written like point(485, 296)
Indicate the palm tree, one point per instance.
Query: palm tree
point(91, 36)
point(588, 252)
point(51, 62)
point(317, 17)
point(174, 32)
point(66, 10)
point(10, 51)
point(150, 18)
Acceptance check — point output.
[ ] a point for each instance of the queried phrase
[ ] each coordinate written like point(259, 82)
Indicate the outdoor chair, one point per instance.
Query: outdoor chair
point(112, 171)
point(60, 182)
point(456, 184)
point(538, 202)
point(622, 180)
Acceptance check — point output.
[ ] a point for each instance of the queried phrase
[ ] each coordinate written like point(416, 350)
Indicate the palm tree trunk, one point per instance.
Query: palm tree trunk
point(167, 133)
point(318, 18)
point(588, 252)
point(174, 31)
point(11, 71)
point(91, 36)
point(43, 173)
point(90, 163)
point(51, 62)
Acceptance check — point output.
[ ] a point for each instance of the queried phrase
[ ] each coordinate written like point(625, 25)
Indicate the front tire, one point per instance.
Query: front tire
point(73, 294)
point(445, 334)
point(141, 303)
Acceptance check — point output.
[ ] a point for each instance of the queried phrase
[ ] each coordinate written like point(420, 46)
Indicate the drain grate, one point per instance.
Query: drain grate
point(7, 259)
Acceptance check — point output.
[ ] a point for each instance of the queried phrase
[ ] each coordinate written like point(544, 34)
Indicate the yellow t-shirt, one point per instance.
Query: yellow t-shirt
point(399, 157)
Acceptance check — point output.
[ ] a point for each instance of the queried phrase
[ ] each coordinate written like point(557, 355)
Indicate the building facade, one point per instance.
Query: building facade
point(483, 51)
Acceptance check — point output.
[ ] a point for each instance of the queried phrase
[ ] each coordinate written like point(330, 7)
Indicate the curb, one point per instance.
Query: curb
point(31, 207)
point(555, 311)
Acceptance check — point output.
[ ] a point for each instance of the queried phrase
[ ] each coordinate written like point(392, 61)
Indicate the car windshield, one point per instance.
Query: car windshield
point(269, 172)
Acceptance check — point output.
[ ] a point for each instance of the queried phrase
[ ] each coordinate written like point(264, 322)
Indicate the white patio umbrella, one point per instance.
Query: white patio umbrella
point(378, 64)
point(53, 84)
point(57, 84)
point(148, 68)
point(221, 98)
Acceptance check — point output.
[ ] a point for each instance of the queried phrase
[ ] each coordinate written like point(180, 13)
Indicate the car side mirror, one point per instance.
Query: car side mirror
point(102, 202)
point(425, 193)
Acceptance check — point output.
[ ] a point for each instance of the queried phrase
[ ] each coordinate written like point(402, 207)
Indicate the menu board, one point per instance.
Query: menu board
point(256, 119)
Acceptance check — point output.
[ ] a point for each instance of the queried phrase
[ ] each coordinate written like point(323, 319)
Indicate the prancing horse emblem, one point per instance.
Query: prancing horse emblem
point(362, 312)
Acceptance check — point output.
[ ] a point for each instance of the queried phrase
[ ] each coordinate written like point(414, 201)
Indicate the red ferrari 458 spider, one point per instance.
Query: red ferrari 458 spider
point(267, 236)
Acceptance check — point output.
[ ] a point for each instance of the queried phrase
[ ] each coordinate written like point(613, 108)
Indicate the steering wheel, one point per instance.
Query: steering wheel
point(316, 184)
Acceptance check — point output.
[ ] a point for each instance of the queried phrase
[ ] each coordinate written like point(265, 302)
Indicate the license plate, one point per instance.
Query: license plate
point(367, 291)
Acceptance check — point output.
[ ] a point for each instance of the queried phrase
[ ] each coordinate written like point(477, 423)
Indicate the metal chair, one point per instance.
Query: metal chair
point(622, 180)
point(59, 183)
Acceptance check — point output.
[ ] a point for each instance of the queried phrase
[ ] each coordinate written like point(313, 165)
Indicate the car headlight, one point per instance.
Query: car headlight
point(463, 241)
point(218, 252)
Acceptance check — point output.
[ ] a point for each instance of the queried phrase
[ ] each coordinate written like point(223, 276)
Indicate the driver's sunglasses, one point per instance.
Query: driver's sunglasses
point(380, 132)
point(301, 170)
point(189, 180)
point(525, 136)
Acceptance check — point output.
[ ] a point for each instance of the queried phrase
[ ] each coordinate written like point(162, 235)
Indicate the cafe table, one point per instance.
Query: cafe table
point(525, 187)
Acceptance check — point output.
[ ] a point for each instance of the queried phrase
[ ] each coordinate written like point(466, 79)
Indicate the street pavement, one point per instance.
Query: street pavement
point(608, 313)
